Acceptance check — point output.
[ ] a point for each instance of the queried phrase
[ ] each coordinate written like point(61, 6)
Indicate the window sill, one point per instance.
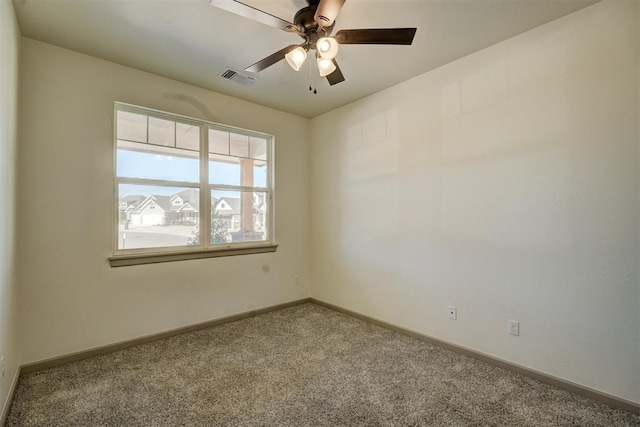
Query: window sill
point(139, 259)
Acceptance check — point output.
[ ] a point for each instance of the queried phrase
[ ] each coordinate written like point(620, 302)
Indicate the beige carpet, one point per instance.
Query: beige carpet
point(300, 366)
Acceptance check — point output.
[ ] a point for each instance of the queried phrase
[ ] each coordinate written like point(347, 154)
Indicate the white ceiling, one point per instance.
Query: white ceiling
point(191, 41)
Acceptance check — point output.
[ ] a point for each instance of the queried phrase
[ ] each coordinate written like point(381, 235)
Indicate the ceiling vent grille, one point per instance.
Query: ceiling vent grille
point(237, 77)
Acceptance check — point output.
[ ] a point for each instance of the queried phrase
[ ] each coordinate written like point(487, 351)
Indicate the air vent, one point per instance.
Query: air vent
point(238, 77)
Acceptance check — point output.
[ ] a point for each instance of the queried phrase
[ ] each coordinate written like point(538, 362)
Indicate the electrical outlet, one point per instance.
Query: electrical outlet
point(2, 367)
point(296, 280)
point(452, 312)
point(513, 327)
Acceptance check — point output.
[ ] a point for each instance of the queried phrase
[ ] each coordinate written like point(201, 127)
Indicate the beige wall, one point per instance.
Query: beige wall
point(9, 59)
point(70, 299)
point(504, 183)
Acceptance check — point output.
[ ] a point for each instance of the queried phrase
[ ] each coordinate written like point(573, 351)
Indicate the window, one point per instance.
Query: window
point(190, 187)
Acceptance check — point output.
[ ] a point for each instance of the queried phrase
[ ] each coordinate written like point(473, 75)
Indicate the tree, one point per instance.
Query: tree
point(219, 231)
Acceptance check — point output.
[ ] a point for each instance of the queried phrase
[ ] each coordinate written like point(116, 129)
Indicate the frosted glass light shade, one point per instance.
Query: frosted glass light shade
point(327, 47)
point(325, 67)
point(296, 58)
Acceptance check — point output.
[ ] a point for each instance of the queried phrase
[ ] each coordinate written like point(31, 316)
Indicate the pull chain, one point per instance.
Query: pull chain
point(315, 78)
point(310, 72)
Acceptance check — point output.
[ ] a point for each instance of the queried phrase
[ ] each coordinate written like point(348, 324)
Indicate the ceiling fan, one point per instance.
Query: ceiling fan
point(314, 24)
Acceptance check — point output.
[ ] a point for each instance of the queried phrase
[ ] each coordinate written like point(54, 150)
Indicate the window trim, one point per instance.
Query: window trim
point(126, 257)
point(154, 258)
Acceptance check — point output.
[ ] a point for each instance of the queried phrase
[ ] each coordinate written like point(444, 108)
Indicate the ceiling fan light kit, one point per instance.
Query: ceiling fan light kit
point(325, 66)
point(327, 47)
point(314, 24)
point(296, 57)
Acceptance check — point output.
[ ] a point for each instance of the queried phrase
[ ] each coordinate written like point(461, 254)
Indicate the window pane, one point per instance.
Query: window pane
point(258, 148)
point(238, 216)
point(227, 170)
point(162, 132)
point(224, 170)
point(239, 145)
point(131, 126)
point(188, 136)
point(158, 172)
point(135, 160)
point(155, 217)
point(259, 173)
point(218, 141)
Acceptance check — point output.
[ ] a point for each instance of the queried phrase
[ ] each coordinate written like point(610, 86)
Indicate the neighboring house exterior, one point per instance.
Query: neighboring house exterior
point(183, 208)
point(152, 211)
point(227, 209)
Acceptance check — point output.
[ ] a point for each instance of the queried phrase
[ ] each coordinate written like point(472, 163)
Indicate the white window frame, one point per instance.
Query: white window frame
point(124, 257)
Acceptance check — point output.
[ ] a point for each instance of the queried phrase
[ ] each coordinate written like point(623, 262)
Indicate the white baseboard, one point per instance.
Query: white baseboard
point(41, 365)
point(7, 403)
point(607, 399)
point(61, 360)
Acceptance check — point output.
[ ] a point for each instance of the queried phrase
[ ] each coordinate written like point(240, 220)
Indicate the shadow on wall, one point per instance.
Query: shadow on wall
point(206, 114)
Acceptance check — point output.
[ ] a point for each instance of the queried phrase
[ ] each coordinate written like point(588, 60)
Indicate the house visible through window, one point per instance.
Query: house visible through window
point(183, 184)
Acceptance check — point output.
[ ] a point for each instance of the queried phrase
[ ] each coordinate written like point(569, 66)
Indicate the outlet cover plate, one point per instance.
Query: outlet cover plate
point(452, 312)
point(513, 327)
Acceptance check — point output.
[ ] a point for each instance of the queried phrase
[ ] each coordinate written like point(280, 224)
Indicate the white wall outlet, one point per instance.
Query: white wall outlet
point(296, 280)
point(2, 367)
point(452, 312)
point(513, 327)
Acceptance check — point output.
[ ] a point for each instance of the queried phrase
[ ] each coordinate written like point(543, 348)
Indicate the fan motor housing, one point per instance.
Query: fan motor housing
point(305, 22)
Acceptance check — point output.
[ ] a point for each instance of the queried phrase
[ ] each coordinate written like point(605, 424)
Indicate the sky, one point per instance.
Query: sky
point(134, 164)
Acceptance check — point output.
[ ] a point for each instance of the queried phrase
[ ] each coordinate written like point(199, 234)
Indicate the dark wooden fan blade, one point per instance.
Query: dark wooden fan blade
point(335, 77)
point(327, 12)
point(403, 36)
point(270, 60)
point(253, 13)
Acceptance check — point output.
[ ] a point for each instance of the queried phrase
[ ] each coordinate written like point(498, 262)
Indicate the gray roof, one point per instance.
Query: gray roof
point(233, 202)
point(189, 195)
point(131, 200)
point(164, 202)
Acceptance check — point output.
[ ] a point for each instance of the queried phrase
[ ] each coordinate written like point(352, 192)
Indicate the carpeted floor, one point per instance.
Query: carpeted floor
point(300, 366)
